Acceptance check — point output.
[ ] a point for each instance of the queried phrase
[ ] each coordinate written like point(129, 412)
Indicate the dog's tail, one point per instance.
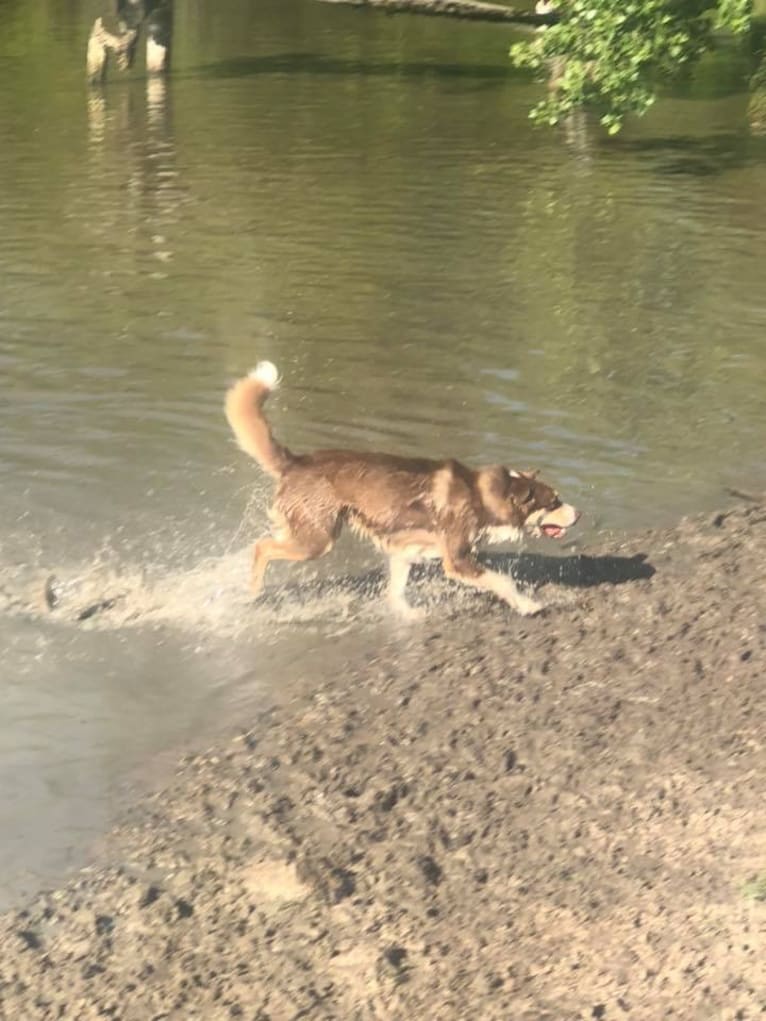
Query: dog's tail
point(244, 411)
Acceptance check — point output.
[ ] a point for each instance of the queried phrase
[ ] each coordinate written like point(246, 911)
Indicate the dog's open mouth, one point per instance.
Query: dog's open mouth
point(555, 523)
point(553, 531)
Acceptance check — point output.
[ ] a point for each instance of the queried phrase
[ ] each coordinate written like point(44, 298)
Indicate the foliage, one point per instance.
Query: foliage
point(611, 55)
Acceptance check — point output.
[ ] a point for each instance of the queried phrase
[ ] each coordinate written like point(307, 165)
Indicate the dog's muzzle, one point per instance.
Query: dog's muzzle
point(554, 524)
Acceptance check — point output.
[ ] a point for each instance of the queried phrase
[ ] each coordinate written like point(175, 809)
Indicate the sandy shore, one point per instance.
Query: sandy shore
point(488, 818)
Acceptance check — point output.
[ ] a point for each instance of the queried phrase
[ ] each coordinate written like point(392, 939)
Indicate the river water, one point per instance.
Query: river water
point(363, 200)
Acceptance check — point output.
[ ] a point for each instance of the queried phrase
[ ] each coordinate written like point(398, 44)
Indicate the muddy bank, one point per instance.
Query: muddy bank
point(487, 817)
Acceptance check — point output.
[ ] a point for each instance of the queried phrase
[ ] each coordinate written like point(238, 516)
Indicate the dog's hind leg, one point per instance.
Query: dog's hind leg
point(289, 547)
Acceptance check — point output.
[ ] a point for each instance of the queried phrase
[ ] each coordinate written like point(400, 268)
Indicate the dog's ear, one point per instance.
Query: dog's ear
point(520, 488)
point(530, 473)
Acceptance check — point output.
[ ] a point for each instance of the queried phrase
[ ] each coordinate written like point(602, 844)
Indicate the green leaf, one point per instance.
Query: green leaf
point(611, 55)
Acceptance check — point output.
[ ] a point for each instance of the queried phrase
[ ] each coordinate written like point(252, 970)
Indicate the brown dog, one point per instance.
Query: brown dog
point(411, 508)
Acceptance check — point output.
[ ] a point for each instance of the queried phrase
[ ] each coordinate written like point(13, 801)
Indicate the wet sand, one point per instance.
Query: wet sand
point(487, 817)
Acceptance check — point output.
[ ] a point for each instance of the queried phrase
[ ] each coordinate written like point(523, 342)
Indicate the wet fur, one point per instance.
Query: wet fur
point(411, 508)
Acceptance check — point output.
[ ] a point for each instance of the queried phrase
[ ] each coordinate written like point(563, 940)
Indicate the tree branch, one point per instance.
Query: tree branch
point(474, 10)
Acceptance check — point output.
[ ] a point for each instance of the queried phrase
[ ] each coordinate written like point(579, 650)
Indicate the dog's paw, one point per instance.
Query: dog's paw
point(527, 607)
point(408, 613)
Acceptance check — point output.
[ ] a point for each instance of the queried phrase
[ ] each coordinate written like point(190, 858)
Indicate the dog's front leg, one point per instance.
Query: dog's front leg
point(503, 586)
point(462, 566)
point(399, 567)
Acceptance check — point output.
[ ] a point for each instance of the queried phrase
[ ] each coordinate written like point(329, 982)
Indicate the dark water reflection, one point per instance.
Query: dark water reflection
point(364, 201)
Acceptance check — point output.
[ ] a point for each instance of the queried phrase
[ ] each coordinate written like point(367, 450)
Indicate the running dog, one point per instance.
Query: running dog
point(411, 508)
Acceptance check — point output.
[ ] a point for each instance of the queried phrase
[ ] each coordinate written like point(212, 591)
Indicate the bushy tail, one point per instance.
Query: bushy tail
point(244, 411)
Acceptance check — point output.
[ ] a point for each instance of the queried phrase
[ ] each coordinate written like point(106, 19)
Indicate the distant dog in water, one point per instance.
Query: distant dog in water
point(412, 508)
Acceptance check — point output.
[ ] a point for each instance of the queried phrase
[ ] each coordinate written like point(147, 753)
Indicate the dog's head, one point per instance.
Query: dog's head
point(523, 501)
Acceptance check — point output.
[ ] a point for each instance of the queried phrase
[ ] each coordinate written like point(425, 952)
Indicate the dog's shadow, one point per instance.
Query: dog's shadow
point(576, 571)
point(529, 569)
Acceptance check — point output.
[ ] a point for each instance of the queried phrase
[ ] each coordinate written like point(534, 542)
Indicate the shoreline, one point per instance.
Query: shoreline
point(488, 816)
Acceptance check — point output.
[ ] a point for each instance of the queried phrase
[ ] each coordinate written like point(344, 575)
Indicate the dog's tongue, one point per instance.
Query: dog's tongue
point(553, 531)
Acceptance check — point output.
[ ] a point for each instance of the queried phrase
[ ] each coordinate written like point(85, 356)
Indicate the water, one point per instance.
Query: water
point(362, 200)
